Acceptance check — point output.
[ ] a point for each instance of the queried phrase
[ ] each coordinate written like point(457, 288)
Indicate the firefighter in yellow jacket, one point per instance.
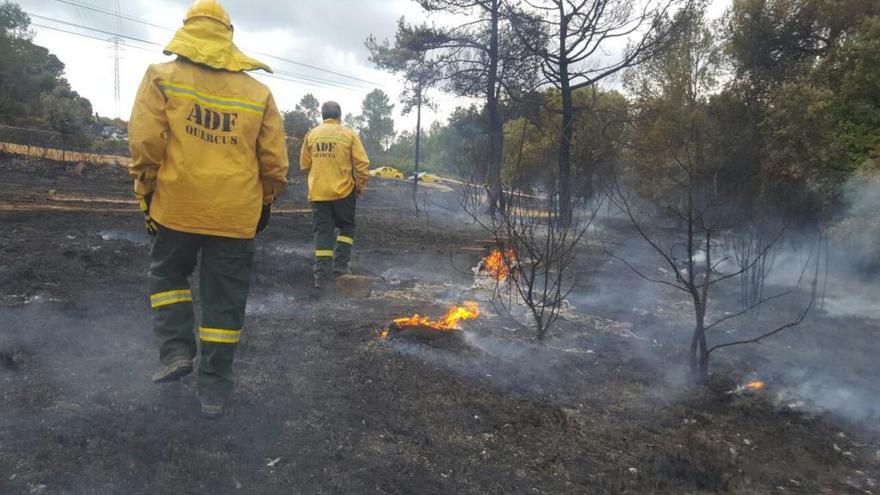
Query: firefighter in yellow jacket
point(209, 157)
point(337, 164)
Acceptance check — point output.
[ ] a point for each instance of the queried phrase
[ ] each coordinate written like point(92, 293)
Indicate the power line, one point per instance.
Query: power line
point(152, 24)
point(314, 67)
point(120, 15)
point(316, 79)
point(320, 82)
point(103, 40)
point(84, 35)
point(109, 33)
point(82, 15)
point(312, 79)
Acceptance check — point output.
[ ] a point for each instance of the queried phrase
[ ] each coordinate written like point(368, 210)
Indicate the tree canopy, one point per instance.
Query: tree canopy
point(33, 90)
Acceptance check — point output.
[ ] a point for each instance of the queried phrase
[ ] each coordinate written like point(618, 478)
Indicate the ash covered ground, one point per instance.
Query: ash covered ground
point(323, 405)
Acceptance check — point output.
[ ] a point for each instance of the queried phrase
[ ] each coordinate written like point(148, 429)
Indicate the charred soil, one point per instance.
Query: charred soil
point(324, 405)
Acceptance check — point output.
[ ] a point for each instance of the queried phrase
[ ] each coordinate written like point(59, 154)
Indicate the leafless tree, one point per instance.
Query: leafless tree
point(538, 248)
point(748, 243)
point(683, 230)
point(679, 196)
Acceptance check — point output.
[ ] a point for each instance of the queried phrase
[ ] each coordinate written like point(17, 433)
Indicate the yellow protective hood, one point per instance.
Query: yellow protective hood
point(208, 42)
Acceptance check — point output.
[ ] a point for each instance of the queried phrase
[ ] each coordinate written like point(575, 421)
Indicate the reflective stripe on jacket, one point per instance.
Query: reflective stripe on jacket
point(210, 145)
point(335, 160)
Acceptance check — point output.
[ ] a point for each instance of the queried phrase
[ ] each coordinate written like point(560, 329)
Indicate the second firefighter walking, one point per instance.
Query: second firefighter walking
point(337, 165)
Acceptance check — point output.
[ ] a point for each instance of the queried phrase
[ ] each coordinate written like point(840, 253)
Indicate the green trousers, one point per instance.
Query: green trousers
point(224, 282)
point(334, 234)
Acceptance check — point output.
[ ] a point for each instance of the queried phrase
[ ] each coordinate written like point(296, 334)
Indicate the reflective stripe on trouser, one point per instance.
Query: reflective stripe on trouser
point(172, 261)
point(219, 335)
point(224, 282)
point(344, 245)
point(170, 297)
point(334, 227)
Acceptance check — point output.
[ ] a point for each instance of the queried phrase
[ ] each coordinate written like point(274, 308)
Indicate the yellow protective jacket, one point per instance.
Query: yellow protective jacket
point(210, 145)
point(335, 160)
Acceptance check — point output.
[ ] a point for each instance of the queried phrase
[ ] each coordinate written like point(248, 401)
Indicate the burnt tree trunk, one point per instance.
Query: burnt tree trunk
point(698, 357)
point(496, 124)
point(700, 293)
point(415, 188)
point(564, 158)
point(699, 351)
point(564, 161)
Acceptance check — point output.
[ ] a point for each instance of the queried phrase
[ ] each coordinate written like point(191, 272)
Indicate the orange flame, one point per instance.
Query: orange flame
point(383, 334)
point(756, 385)
point(469, 310)
point(498, 263)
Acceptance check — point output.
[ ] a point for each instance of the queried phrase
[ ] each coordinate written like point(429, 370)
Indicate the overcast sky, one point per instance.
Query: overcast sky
point(328, 34)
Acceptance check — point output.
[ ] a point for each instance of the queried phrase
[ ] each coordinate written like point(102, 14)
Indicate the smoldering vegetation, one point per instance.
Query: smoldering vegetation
point(823, 367)
point(320, 389)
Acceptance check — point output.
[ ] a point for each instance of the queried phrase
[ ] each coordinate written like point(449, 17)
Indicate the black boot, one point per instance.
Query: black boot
point(173, 371)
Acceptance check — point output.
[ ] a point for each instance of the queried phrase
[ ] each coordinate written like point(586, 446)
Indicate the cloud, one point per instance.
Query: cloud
point(327, 34)
point(324, 33)
point(344, 24)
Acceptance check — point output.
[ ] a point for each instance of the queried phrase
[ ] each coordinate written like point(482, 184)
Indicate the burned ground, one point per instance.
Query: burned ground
point(325, 406)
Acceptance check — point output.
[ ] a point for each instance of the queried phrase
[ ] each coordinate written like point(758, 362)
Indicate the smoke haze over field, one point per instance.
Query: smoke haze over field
point(825, 365)
point(325, 405)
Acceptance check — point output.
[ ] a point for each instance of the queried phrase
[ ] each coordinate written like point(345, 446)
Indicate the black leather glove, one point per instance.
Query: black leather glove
point(264, 218)
point(149, 223)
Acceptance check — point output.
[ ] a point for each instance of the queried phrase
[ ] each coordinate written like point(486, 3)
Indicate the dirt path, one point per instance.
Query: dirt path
point(325, 406)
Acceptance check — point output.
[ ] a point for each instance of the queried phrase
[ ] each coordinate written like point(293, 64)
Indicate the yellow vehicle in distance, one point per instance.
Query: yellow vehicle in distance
point(387, 173)
point(428, 178)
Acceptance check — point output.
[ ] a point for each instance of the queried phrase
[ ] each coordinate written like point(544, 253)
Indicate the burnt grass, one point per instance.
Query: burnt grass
point(323, 405)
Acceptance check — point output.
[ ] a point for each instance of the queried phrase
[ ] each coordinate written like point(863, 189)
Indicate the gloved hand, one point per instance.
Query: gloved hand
point(265, 214)
point(149, 223)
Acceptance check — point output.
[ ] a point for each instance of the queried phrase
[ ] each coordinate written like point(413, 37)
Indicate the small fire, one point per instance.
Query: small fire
point(498, 263)
point(383, 334)
point(469, 310)
point(755, 385)
point(752, 386)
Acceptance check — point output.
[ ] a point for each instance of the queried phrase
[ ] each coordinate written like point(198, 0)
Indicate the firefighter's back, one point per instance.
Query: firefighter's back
point(209, 182)
point(330, 147)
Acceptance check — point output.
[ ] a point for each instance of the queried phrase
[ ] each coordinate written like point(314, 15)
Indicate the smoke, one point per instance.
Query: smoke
point(135, 237)
point(817, 395)
point(281, 249)
point(850, 298)
point(514, 365)
point(859, 228)
point(825, 366)
point(78, 357)
point(272, 304)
